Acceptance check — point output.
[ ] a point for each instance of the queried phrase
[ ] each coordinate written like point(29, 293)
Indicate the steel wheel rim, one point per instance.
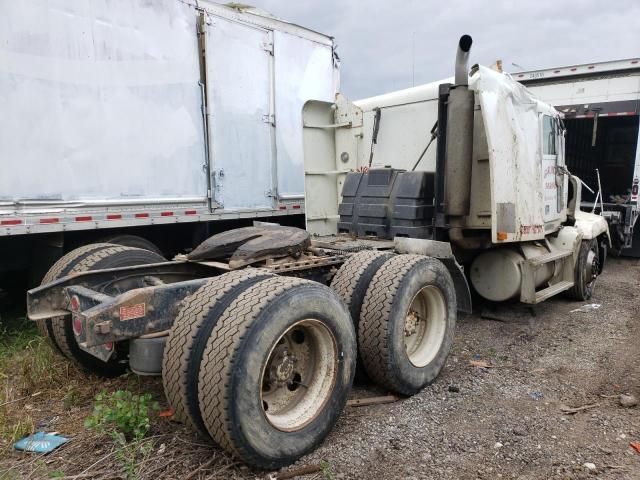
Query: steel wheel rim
point(299, 375)
point(425, 326)
point(591, 267)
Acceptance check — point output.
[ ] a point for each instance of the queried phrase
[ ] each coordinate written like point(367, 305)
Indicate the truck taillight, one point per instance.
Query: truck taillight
point(108, 346)
point(77, 325)
point(74, 303)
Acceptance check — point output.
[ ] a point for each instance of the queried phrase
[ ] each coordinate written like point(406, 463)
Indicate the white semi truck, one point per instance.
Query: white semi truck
point(148, 124)
point(601, 107)
point(258, 331)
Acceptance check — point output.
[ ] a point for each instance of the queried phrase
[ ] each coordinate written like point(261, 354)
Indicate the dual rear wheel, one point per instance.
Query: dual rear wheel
point(261, 363)
point(404, 310)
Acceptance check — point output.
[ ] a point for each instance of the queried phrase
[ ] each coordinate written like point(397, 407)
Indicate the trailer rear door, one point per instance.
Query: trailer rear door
point(239, 114)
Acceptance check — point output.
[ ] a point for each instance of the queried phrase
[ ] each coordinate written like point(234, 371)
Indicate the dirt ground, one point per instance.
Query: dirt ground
point(495, 412)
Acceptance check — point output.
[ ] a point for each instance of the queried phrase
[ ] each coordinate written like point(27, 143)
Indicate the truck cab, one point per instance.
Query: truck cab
point(493, 180)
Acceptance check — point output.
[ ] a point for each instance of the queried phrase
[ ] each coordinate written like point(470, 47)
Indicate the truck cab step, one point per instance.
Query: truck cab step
point(548, 292)
point(536, 262)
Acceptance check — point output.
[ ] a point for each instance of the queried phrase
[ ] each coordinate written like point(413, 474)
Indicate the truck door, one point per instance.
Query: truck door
point(552, 169)
point(238, 86)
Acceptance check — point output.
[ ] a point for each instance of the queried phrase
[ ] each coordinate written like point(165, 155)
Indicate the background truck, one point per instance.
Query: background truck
point(601, 107)
point(148, 124)
point(257, 332)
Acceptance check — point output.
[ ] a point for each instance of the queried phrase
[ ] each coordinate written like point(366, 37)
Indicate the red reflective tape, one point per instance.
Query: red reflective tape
point(142, 215)
point(166, 214)
point(114, 216)
point(49, 220)
point(84, 219)
point(11, 222)
point(283, 207)
point(190, 212)
point(296, 207)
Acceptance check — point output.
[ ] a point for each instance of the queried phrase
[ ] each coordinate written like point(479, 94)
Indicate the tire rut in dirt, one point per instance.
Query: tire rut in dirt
point(110, 257)
point(188, 337)
point(382, 329)
point(61, 269)
point(234, 367)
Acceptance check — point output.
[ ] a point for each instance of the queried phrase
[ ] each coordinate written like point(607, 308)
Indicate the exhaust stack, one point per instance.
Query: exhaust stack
point(462, 60)
point(459, 144)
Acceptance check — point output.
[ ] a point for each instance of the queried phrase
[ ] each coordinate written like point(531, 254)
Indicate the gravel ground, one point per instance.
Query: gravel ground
point(504, 420)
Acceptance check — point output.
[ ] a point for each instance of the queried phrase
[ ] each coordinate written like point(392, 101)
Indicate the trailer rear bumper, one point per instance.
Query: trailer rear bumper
point(100, 319)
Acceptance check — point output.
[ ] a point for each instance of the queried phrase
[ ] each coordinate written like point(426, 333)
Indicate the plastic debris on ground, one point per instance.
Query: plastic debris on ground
point(536, 395)
point(589, 307)
point(40, 442)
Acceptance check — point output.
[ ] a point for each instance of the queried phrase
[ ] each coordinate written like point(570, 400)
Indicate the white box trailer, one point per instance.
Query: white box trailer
point(124, 117)
point(601, 107)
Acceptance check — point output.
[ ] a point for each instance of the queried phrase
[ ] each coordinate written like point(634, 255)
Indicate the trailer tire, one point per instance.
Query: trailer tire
point(351, 282)
point(111, 257)
point(61, 269)
point(134, 241)
point(250, 388)
point(407, 323)
point(188, 337)
point(586, 270)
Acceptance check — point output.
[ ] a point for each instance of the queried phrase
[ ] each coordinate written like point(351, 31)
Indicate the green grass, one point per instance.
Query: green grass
point(26, 362)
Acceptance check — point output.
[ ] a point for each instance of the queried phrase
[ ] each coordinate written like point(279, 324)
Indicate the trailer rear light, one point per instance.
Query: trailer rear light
point(190, 212)
point(142, 215)
point(501, 236)
point(77, 325)
point(108, 346)
point(283, 207)
point(74, 303)
point(84, 219)
point(49, 220)
point(11, 222)
point(114, 216)
point(166, 214)
point(574, 69)
point(296, 207)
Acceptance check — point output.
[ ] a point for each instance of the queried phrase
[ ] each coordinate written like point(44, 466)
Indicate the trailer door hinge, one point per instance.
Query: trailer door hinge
point(267, 47)
point(270, 118)
point(272, 193)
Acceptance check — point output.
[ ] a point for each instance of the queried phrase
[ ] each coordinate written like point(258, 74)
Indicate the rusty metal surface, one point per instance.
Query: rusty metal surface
point(134, 313)
point(47, 301)
point(244, 246)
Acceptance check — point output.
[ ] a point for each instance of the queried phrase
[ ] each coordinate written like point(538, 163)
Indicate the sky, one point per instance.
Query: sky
point(386, 46)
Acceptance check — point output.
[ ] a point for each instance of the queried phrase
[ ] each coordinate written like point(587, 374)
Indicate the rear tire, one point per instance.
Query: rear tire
point(351, 283)
point(407, 323)
point(61, 269)
point(586, 270)
point(110, 257)
point(132, 241)
point(188, 337)
point(277, 370)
